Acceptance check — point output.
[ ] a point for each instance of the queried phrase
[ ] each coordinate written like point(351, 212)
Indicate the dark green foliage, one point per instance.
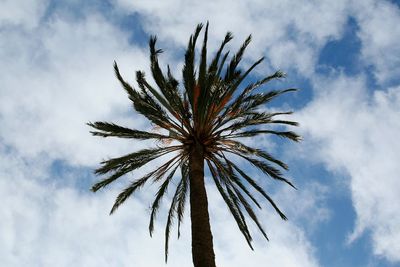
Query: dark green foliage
point(211, 108)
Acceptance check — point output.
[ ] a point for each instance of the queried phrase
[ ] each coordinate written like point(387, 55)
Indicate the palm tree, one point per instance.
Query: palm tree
point(202, 122)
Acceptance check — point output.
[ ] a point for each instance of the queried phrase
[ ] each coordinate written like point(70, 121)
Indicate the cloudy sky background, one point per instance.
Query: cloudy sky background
point(56, 74)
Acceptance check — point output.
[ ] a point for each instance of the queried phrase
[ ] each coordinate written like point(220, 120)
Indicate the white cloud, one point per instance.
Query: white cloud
point(281, 30)
point(46, 225)
point(57, 78)
point(22, 13)
point(356, 134)
point(379, 34)
point(307, 205)
point(290, 34)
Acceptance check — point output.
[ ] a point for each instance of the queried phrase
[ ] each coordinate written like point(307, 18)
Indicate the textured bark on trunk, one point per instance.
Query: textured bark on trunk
point(202, 244)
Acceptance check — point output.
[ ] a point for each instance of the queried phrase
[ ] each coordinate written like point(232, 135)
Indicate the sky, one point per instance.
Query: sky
point(56, 75)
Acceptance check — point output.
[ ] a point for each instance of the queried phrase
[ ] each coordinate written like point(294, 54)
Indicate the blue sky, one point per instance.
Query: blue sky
point(56, 74)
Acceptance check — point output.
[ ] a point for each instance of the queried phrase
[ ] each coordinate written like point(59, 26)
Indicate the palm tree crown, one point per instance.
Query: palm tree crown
point(209, 113)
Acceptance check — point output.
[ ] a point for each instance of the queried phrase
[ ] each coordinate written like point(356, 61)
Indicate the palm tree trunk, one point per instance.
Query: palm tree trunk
point(202, 244)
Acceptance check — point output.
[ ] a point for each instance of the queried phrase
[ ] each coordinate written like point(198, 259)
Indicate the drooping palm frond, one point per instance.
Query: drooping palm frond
point(227, 174)
point(232, 205)
point(211, 108)
point(160, 194)
point(178, 202)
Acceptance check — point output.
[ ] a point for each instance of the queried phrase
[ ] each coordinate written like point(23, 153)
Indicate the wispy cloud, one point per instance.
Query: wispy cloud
point(355, 133)
point(379, 36)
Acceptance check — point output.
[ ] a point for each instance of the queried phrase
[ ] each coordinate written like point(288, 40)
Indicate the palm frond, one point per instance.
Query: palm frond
point(250, 211)
point(255, 100)
point(127, 163)
point(202, 77)
point(117, 174)
point(233, 178)
point(235, 105)
point(240, 78)
point(244, 106)
point(128, 191)
point(266, 168)
point(145, 104)
point(235, 211)
point(135, 160)
point(231, 72)
point(246, 150)
point(140, 78)
point(171, 215)
point(221, 64)
point(106, 129)
point(250, 133)
point(229, 178)
point(258, 188)
point(132, 94)
point(168, 87)
point(154, 66)
point(223, 97)
point(252, 119)
point(160, 194)
point(188, 71)
point(213, 68)
point(182, 194)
